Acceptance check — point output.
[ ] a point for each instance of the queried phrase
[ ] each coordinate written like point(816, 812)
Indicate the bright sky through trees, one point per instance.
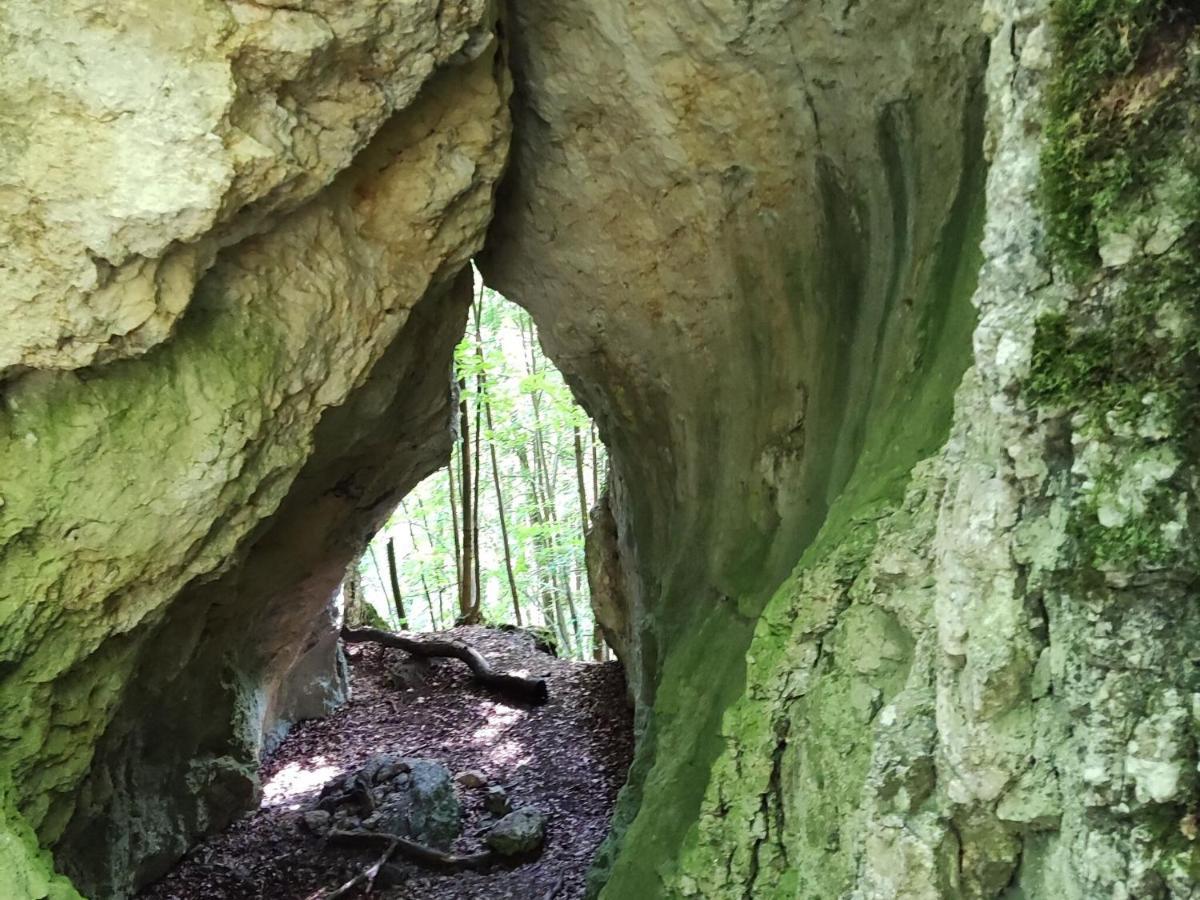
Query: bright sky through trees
point(535, 465)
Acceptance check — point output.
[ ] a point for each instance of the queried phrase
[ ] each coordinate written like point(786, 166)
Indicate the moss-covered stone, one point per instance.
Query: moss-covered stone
point(1122, 197)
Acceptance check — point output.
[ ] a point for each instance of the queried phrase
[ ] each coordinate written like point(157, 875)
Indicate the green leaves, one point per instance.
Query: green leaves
point(506, 378)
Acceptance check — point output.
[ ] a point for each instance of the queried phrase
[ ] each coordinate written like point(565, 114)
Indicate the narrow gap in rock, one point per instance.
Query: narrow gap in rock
point(493, 792)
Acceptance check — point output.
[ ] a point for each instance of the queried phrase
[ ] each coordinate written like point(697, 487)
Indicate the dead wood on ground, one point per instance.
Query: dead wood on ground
point(418, 853)
point(529, 690)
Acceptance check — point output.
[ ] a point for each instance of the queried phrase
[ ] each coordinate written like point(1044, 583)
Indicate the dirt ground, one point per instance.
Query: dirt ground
point(568, 757)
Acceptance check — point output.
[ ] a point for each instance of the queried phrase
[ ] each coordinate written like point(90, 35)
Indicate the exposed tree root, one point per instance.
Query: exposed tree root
point(529, 690)
point(418, 853)
point(368, 875)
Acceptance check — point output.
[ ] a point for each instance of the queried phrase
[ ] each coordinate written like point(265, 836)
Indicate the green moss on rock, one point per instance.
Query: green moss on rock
point(1121, 193)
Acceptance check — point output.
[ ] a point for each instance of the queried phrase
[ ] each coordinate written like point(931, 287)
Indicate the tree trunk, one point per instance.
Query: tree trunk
point(437, 623)
point(378, 572)
point(394, 577)
point(352, 594)
point(479, 387)
point(508, 565)
point(466, 601)
point(453, 521)
point(595, 463)
point(518, 686)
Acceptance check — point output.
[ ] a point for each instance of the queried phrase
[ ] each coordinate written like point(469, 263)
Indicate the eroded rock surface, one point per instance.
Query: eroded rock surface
point(749, 238)
point(753, 239)
point(898, 386)
point(156, 135)
point(182, 516)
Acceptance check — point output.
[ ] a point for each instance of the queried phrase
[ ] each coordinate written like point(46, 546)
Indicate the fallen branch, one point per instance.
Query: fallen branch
point(368, 875)
point(418, 853)
point(531, 690)
point(555, 888)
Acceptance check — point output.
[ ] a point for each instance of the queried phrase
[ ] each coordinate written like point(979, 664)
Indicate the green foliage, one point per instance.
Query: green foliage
point(534, 417)
point(1112, 110)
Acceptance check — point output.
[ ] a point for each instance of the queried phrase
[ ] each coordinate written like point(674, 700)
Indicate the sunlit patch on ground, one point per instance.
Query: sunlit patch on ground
point(297, 778)
point(498, 718)
point(566, 757)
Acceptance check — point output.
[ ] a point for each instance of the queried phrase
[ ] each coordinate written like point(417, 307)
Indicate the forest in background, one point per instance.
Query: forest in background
point(497, 536)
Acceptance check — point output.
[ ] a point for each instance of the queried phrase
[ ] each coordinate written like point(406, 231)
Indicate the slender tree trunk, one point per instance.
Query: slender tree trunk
point(394, 577)
point(508, 564)
point(352, 594)
point(562, 572)
point(378, 572)
point(478, 468)
point(597, 637)
point(433, 622)
point(440, 621)
point(453, 521)
point(543, 572)
point(559, 575)
point(595, 465)
point(466, 601)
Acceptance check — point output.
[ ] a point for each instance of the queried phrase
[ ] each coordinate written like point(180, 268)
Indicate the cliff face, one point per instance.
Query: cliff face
point(763, 250)
point(175, 521)
point(885, 311)
point(751, 246)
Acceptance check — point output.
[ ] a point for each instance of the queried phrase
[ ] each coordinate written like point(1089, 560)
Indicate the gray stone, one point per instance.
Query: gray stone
point(519, 832)
point(423, 807)
point(317, 821)
point(496, 801)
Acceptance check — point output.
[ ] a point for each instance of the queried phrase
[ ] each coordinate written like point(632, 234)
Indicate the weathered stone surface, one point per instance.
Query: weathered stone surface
point(900, 550)
point(424, 807)
point(410, 798)
point(750, 242)
point(748, 238)
point(183, 517)
point(607, 579)
point(158, 134)
point(521, 831)
point(316, 683)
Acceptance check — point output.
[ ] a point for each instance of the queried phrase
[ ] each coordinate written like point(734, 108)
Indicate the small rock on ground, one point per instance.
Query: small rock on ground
point(518, 833)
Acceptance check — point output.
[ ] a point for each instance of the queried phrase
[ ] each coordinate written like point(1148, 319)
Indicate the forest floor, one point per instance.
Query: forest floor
point(568, 757)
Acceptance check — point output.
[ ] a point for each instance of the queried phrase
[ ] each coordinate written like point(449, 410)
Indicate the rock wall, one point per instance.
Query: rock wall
point(885, 311)
point(236, 236)
point(749, 237)
point(758, 240)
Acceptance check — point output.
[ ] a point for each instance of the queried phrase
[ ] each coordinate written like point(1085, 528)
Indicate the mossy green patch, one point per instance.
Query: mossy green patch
point(782, 740)
point(1121, 164)
point(1117, 98)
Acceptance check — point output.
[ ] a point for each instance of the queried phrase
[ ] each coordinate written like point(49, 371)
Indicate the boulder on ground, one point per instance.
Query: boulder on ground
point(520, 832)
point(410, 798)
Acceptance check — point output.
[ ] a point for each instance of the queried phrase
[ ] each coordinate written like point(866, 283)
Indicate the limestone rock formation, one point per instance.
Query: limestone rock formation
point(892, 636)
point(173, 523)
point(158, 134)
point(886, 312)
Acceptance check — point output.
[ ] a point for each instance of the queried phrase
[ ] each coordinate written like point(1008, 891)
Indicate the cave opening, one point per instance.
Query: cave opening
point(495, 536)
point(482, 558)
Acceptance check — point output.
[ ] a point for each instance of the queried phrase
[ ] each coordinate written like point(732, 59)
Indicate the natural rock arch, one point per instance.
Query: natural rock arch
point(904, 596)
